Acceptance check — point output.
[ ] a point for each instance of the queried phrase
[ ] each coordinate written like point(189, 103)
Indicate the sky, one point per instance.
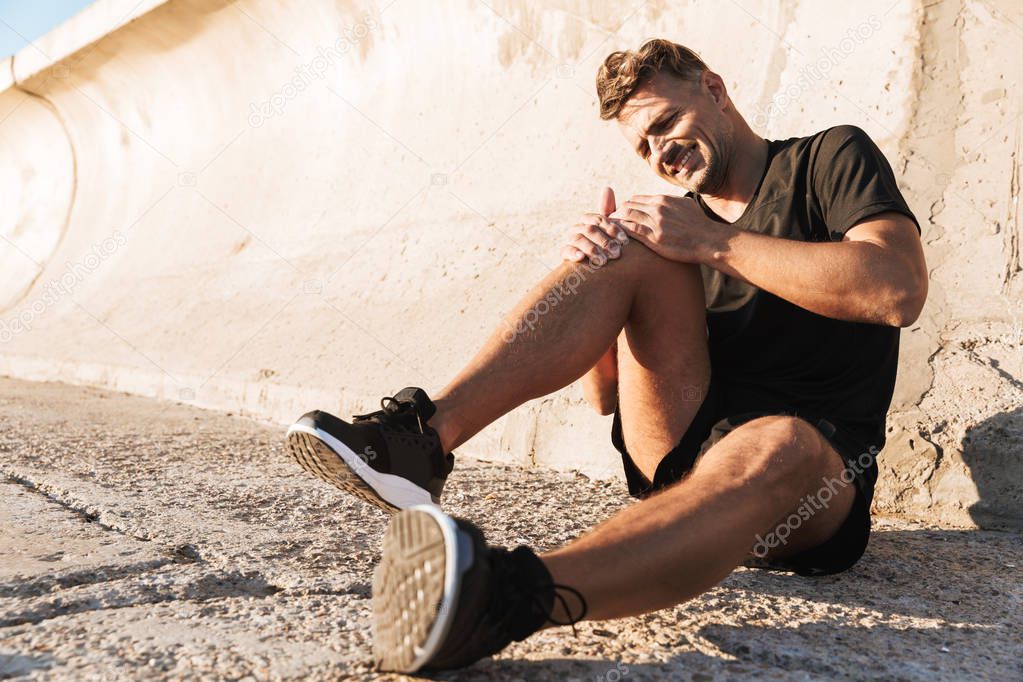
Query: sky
point(25, 20)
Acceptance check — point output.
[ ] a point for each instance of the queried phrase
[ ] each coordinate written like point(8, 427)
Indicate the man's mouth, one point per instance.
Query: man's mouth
point(680, 160)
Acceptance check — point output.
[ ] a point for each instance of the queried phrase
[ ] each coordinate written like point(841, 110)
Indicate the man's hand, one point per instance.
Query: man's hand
point(674, 227)
point(595, 236)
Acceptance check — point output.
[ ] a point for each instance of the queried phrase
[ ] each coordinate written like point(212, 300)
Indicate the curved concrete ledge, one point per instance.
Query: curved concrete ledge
point(38, 193)
point(85, 28)
point(281, 208)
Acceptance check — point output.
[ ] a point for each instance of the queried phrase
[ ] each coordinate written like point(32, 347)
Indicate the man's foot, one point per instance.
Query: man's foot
point(389, 458)
point(443, 599)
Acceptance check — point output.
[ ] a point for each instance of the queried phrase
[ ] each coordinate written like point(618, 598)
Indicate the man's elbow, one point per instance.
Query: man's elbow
point(907, 305)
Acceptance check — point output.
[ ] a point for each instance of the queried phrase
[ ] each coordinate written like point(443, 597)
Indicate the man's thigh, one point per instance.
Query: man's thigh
point(829, 495)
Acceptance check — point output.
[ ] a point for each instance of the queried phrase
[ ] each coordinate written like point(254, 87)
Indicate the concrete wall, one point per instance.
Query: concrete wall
point(264, 207)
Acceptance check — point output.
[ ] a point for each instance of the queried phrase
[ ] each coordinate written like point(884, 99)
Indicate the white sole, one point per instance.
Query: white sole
point(408, 631)
point(395, 491)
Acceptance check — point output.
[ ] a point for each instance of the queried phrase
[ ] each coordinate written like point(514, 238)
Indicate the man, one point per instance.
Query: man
point(747, 345)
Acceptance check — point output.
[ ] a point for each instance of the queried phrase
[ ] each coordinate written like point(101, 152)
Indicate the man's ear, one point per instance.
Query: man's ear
point(715, 86)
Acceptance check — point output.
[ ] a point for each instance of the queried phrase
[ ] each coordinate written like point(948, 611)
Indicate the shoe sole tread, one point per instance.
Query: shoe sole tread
point(408, 588)
point(317, 458)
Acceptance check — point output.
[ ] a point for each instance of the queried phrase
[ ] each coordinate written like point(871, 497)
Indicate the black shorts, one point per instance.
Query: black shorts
point(837, 554)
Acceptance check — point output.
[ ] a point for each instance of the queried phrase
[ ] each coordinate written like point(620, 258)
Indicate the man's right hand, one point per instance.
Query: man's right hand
point(596, 236)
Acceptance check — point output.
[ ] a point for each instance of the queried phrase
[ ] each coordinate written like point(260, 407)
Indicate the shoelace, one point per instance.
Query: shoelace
point(391, 412)
point(572, 620)
point(509, 574)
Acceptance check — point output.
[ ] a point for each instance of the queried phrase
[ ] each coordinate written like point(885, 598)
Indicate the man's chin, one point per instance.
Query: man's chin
point(689, 184)
point(675, 180)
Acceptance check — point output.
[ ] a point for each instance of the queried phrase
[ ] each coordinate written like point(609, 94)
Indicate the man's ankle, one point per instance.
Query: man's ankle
point(446, 426)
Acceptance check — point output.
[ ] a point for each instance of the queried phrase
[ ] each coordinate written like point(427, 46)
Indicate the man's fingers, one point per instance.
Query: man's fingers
point(595, 236)
point(570, 253)
point(607, 201)
point(656, 199)
point(607, 225)
point(638, 230)
point(650, 209)
point(635, 213)
point(598, 236)
point(597, 255)
point(596, 244)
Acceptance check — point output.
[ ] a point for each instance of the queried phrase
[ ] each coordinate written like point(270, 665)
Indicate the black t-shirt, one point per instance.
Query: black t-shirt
point(769, 354)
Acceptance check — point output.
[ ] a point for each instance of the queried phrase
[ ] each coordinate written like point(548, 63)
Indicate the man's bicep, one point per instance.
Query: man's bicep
point(886, 229)
point(899, 236)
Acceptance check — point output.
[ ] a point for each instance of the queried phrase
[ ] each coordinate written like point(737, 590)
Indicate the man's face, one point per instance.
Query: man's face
point(680, 130)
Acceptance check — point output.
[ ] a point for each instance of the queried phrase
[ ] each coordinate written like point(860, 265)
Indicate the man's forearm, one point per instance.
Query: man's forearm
point(850, 280)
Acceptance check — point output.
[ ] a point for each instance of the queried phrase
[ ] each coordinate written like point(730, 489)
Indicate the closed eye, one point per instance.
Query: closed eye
point(665, 122)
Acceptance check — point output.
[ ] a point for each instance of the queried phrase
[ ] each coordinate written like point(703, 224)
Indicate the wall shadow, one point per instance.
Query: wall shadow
point(993, 450)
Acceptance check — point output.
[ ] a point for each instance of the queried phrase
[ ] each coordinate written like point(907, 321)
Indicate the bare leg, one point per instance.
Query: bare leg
point(562, 327)
point(663, 368)
point(686, 539)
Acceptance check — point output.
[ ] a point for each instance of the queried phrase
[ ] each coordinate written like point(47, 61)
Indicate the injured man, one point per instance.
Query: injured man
point(744, 332)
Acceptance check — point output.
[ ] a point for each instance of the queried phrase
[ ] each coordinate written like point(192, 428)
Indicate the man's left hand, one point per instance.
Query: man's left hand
point(674, 227)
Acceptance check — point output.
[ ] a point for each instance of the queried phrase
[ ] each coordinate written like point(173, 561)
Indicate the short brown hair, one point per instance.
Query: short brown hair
point(624, 71)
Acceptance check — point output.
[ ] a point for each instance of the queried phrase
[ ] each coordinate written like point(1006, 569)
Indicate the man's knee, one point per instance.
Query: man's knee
point(799, 469)
point(637, 260)
point(786, 454)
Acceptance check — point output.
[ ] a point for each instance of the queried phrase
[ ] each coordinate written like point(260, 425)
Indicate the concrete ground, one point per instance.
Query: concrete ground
point(140, 539)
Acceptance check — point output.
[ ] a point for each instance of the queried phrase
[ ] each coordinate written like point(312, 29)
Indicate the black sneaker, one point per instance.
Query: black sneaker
point(389, 458)
point(443, 599)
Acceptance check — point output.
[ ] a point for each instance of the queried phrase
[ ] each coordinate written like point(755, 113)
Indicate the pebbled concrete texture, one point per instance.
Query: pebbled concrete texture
point(142, 539)
point(266, 207)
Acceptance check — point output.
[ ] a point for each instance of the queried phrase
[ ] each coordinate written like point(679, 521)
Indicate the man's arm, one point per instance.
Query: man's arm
point(877, 274)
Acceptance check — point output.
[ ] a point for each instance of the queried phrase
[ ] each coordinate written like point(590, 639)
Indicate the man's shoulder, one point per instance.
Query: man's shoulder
point(829, 139)
point(840, 146)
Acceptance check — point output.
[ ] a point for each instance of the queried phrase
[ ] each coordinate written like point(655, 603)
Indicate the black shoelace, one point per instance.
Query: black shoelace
point(392, 414)
point(563, 602)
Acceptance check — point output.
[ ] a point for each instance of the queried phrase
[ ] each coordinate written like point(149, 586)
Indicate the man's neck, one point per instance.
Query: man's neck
point(744, 173)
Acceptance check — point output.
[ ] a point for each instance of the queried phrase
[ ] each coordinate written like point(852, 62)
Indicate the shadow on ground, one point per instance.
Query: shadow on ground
point(921, 574)
point(917, 606)
point(18, 665)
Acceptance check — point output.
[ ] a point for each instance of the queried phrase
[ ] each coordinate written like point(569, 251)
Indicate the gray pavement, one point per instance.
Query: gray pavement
point(141, 539)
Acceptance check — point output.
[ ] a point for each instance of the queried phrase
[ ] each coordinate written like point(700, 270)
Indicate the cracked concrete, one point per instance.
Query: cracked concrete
point(146, 539)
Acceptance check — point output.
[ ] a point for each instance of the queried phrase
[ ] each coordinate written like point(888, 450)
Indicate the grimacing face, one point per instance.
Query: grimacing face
point(680, 129)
